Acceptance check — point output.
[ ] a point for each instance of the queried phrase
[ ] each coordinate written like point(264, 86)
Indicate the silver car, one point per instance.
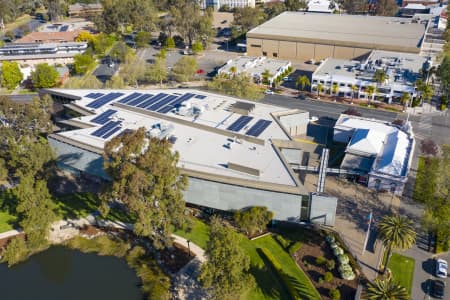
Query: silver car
point(441, 268)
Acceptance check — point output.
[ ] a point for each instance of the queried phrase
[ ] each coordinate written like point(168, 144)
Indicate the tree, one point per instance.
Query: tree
point(55, 9)
point(380, 76)
point(302, 81)
point(121, 52)
point(143, 39)
point(157, 71)
point(248, 17)
point(169, 43)
point(370, 90)
point(11, 75)
point(196, 26)
point(405, 99)
point(145, 177)
point(238, 85)
point(116, 82)
point(319, 90)
point(133, 71)
point(443, 73)
point(355, 6)
point(273, 9)
point(294, 5)
point(197, 47)
point(386, 8)
point(429, 147)
point(355, 90)
point(335, 88)
point(396, 232)
point(254, 219)
point(82, 63)
point(36, 210)
point(15, 252)
point(226, 270)
point(266, 76)
point(44, 76)
point(184, 69)
point(386, 289)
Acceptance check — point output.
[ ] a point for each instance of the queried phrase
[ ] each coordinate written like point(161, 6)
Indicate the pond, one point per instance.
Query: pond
point(61, 273)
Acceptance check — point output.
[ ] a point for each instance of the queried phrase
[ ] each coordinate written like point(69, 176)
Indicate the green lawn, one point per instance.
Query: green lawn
point(402, 268)
point(269, 285)
point(80, 205)
point(6, 221)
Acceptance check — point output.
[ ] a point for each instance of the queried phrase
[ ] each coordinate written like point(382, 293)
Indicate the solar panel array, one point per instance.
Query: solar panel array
point(162, 102)
point(104, 117)
point(99, 102)
point(200, 96)
point(258, 127)
point(94, 95)
point(107, 130)
point(240, 123)
point(64, 28)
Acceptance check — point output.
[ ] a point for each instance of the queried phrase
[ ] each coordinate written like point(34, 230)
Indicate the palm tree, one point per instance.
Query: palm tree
point(386, 290)
point(335, 88)
point(396, 232)
point(302, 81)
point(233, 70)
point(370, 91)
point(380, 76)
point(425, 90)
point(319, 90)
point(404, 100)
point(355, 89)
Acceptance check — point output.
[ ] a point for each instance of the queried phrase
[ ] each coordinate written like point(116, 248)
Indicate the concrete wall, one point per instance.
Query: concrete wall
point(323, 209)
point(300, 50)
point(230, 197)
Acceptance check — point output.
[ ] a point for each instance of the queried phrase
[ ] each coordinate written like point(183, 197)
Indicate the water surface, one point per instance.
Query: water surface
point(60, 273)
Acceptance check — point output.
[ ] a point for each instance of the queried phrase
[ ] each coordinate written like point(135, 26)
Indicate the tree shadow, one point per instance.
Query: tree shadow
point(426, 285)
point(429, 265)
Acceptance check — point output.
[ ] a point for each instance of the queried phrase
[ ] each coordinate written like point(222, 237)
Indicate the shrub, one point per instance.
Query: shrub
point(328, 277)
point(330, 239)
point(306, 264)
point(331, 264)
point(333, 245)
point(197, 47)
point(284, 277)
point(343, 259)
point(282, 241)
point(338, 251)
point(320, 260)
point(294, 248)
point(169, 43)
point(16, 251)
point(320, 281)
point(335, 294)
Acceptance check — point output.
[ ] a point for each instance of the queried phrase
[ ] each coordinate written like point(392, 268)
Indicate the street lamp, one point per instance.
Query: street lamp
point(189, 248)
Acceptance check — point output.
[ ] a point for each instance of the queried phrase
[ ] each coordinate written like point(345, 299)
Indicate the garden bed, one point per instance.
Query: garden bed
point(306, 258)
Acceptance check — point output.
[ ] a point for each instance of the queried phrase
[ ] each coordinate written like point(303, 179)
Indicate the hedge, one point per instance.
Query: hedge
point(294, 248)
point(283, 242)
point(284, 277)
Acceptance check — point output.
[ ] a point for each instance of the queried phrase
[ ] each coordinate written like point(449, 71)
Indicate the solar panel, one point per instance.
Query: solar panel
point(104, 99)
point(139, 100)
point(93, 95)
point(240, 123)
point(149, 102)
point(168, 104)
point(130, 97)
point(258, 127)
point(175, 103)
point(105, 128)
point(104, 117)
point(111, 132)
point(163, 102)
point(200, 96)
point(64, 28)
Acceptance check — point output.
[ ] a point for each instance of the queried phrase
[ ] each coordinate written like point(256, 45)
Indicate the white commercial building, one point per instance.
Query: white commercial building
point(353, 77)
point(231, 149)
point(217, 4)
point(322, 6)
point(255, 67)
point(379, 150)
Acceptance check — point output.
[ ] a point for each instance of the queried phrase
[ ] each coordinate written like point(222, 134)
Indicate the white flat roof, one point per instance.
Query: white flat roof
point(201, 146)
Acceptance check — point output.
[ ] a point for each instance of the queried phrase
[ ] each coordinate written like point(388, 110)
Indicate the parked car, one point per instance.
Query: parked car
point(438, 289)
point(269, 92)
point(287, 79)
point(441, 268)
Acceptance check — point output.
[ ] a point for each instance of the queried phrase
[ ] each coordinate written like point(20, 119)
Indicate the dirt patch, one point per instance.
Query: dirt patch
point(306, 259)
point(175, 257)
point(90, 230)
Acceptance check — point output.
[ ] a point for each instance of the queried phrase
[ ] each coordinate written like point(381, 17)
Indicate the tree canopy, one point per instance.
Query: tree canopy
point(44, 76)
point(254, 219)
point(145, 178)
point(386, 289)
point(10, 75)
point(226, 271)
point(184, 69)
point(238, 85)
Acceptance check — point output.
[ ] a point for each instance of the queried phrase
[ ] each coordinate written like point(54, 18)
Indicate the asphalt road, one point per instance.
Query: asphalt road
point(319, 108)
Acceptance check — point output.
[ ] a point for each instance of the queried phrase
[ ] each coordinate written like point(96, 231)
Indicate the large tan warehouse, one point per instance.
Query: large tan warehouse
point(305, 36)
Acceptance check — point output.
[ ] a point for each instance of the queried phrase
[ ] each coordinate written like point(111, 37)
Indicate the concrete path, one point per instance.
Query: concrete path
point(10, 233)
